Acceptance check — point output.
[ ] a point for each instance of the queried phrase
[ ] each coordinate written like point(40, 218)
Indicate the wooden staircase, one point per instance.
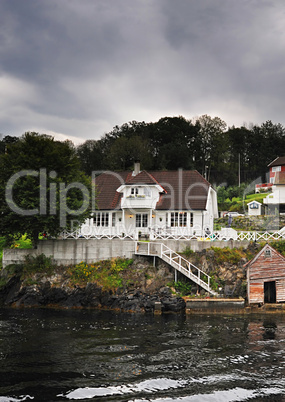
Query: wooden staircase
point(176, 261)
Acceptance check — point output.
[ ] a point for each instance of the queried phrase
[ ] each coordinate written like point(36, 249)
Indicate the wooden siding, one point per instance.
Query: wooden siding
point(269, 268)
point(256, 292)
point(280, 290)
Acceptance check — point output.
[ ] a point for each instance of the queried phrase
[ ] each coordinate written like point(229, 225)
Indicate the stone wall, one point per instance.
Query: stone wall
point(73, 251)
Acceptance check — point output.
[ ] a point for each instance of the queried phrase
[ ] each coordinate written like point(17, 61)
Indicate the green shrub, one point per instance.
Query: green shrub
point(182, 288)
point(187, 252)
point(279, 245)
point(21, 242)
point(227, 254)
point(13, 242)
point(38, 264)
point(107, 273)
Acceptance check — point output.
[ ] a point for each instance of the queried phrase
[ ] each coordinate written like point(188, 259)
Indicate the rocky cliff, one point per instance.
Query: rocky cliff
point(133, 286)
point(142, 286)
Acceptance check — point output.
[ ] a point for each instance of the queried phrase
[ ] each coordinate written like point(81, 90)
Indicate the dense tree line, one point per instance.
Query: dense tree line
point(221, 154)
point(42, 188)
point(206, 144)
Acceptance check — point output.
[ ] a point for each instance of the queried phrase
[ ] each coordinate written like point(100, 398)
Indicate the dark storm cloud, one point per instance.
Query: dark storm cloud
point(81, 67)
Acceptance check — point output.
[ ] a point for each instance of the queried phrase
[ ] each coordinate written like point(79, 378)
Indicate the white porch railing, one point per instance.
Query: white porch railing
point(176, 261)
point(224, 234)
point(98, 234)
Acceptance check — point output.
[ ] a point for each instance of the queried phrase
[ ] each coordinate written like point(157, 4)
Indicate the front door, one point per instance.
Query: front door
point(270, 292)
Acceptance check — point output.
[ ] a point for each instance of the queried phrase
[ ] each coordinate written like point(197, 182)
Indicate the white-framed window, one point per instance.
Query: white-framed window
point(141, 220)
point(147, 191)
point(276, 169)
point(178, 219)
point(101, 219)
point(134, 191)
point(113, 219)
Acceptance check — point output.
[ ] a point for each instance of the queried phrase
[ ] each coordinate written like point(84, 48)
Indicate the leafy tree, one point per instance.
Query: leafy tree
point(41, 187)
point(171, 141)
point(92, 156)
point(124, 152)
point(4, 143)
point(273, 137)
point(239, 157)
point(211, 143)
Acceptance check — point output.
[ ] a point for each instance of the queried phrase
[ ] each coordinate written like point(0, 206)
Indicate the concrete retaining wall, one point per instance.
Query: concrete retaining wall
point(215, 305)
point(65, 252)
point(73, 251)
point(195, 245)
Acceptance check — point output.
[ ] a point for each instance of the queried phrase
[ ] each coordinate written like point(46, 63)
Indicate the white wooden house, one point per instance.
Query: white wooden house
point(142, 203)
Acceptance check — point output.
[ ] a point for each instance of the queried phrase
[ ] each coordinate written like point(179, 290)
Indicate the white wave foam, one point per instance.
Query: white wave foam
point(159, 384)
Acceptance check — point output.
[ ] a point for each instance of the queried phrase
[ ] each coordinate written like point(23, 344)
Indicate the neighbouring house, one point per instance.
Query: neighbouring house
point(142, 203)
point(266, 277)
point(255, 208)
point(275, 202)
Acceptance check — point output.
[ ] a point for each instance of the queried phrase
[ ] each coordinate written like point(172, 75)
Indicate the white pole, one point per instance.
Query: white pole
point(239, 170)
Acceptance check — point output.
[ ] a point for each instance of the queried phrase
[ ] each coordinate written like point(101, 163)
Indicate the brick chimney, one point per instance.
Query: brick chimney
point(137, 168)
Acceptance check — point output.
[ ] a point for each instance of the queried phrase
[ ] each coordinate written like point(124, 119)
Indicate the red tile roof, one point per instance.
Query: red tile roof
point(142, 178)
point(183, 189)
point(106, 185)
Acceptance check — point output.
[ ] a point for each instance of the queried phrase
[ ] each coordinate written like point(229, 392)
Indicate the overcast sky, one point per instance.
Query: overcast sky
point(77, 68)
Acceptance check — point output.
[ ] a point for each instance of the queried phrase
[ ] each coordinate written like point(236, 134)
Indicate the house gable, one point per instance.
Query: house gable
point(268, 263)
point(142, 178)
point(266, 270)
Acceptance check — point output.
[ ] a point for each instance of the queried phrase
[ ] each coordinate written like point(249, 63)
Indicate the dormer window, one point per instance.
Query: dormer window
point(134, 191)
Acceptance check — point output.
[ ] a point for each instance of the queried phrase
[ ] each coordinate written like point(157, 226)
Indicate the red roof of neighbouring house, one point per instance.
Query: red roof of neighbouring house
point(183, 189)
point(280, 160)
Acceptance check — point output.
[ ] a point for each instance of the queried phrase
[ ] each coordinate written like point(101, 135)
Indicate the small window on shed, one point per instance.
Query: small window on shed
point(253, 205)
point(267, 253)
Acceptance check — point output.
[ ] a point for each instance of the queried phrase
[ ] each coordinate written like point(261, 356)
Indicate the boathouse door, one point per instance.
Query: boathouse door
point(270, 292)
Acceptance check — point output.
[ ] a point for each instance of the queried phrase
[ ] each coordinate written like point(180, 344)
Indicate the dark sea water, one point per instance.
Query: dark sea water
point(59, 355)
